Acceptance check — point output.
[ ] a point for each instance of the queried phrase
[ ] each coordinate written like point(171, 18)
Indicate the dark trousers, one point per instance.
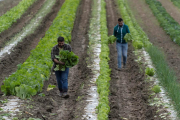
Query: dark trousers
point(62, 80)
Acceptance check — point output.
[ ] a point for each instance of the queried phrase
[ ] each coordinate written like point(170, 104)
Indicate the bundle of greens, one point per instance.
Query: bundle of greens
point(112, 39)
point(69, 58)
point(128, 37)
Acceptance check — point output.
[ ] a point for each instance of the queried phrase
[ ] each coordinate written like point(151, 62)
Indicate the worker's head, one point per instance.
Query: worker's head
point(120, 22)
point(60, 41)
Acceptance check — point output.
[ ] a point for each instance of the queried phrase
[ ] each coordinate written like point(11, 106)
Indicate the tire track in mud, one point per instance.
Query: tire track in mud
point(16, 27)
point(52, 103)
point(156, 34)
point(128, 90)
point(21, 52)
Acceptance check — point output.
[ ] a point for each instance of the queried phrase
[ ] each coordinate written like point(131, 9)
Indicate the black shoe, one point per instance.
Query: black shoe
point(65, 95)
point(119, 69)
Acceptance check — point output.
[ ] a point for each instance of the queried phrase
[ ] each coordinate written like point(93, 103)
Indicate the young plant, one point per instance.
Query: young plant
point(156, 89)
point(150, 71)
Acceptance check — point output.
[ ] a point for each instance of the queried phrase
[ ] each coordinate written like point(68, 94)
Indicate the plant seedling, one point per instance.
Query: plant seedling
point(150, 71)
point(156, 89)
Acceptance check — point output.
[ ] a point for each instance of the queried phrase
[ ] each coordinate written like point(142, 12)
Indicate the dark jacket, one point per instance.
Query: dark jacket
point(55, 51)
point(120, 32)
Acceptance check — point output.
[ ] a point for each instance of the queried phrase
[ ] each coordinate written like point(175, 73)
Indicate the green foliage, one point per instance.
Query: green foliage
point(102, 82)
point(42, 95)
point(176, 3)
point(169, 25)
point(69, 58)
point(29, 78)
point(128, 37)
point(112, 39)
point(138, 44)
point(13, 14)
point(166, 75)
point(156, 89)
point(138, 35)
point(150, 71)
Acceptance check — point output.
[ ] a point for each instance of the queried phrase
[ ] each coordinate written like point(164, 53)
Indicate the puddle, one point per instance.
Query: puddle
point(28, 29)
point(162, 98)
point(94, 52)
point(11, 107)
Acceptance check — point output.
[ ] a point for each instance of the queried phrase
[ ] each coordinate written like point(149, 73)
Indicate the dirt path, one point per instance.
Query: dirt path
point(53, 107)
point(129, 95)
point(156, 34)
point(171, 9)
point(21, 52)
point(17, 27)
point(6, 5)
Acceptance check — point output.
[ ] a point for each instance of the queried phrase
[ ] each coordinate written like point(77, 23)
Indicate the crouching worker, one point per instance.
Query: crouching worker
point(61, 76)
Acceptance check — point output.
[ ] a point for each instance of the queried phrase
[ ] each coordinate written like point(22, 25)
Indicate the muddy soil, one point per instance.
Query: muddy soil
point(6, 35)
point(52, 106)
point(21, 52)
point(128, 90)
point(6, 5)
point(171, 9)
point(156, 34)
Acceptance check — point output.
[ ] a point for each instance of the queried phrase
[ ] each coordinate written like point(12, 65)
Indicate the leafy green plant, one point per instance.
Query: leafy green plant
point(14, 13)
point(156, 89)
point(128, 37)
point(4, 101)
point(112, 39)
point(169, 25)
point(50, 87)
point(29, 78)
point(69, 58)
point(42, 95)
point(102, 82)
point(138, 44)
point(150, 71)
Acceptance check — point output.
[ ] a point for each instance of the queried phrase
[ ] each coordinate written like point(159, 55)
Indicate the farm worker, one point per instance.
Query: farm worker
point(120, 31)
point(61, 76)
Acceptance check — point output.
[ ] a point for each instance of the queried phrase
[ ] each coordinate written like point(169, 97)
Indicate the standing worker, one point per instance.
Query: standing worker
point(120, 31)
point(61, 76)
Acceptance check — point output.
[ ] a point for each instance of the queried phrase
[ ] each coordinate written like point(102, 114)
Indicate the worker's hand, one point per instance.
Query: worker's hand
point(61, 63)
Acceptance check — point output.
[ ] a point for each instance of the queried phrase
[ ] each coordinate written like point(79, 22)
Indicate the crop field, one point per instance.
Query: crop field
point(147, 89)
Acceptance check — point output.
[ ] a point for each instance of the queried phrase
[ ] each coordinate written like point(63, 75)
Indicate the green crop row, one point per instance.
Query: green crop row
point(104, 77)
point(176, 3)
point(169, 25)
point(14, 13)
point(30, 76)
point(165, 74)
point(139, 40)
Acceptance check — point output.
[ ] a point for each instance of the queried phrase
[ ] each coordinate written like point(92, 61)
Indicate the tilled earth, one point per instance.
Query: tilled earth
point(21, 52)
point(6, 5)
point(52, 106)
point(129, 94)
point(156, 34)
point(16, 27)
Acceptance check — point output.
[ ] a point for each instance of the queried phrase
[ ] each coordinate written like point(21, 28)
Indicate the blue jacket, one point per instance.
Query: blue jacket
point(120, 32)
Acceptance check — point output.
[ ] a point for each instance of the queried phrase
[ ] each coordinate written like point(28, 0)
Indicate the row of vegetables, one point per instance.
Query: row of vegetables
point(30, 76)
point(176, 3)
point(10, 17)
point(165, 74)
point(169, 25)
point(105, 72)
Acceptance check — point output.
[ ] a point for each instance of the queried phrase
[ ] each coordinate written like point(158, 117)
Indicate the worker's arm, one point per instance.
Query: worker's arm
point(58, 62)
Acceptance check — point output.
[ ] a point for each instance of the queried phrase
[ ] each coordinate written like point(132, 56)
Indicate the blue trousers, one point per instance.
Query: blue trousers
point(122, 51)
point(62, 80)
